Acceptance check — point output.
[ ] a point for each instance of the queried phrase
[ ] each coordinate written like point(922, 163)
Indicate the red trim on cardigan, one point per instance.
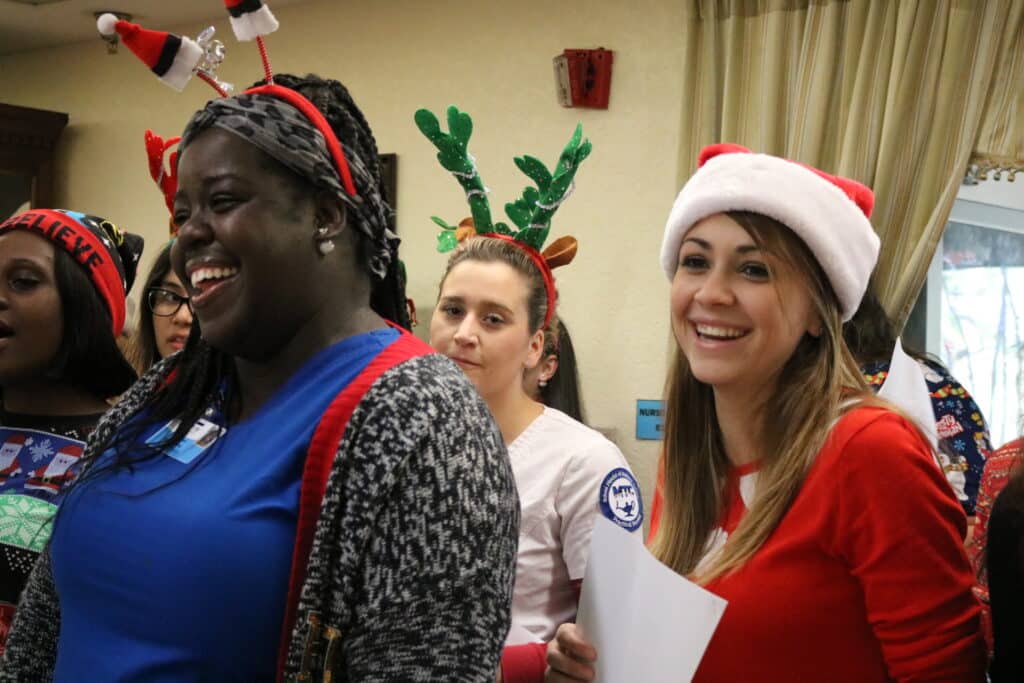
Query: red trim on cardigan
point(319, 460)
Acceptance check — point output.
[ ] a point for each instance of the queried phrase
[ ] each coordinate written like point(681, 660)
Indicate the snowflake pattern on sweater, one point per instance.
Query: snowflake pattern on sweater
point(38, 457)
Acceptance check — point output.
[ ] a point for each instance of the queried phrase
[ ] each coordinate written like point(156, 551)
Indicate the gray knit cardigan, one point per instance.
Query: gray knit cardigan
point(413, 560)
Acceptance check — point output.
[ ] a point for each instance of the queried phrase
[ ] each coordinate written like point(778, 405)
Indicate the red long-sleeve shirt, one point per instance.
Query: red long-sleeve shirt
point(865, 580)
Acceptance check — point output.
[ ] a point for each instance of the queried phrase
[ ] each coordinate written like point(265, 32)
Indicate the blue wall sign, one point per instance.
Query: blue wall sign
point(649, 419)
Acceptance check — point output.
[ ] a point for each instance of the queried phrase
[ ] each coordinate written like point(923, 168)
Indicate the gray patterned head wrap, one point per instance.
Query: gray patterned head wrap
point(285, 134)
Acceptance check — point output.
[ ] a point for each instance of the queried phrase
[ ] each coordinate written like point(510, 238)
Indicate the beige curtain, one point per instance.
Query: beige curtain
point(999, 150)
point(889, 92)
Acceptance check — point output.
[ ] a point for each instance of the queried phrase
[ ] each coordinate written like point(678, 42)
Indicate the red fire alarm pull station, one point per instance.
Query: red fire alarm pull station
point(583, 78)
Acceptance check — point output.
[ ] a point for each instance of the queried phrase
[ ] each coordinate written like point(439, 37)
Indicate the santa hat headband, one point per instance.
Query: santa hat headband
point(174, 59)
point(829, 213)
point(531, 213)
point(171, 57)
point(109, 256)
point(250, 19)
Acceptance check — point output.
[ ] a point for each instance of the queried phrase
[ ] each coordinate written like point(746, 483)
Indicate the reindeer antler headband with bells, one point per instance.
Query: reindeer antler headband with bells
point(531, 213)
point(175, 59)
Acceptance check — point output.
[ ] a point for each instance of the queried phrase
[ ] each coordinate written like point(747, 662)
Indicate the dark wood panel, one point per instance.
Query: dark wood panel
point(28, 138)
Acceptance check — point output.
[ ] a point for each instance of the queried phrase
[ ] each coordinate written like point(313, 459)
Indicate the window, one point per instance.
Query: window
point(973, 308)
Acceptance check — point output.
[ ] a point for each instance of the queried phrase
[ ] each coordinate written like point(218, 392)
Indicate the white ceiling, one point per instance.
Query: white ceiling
point(32, 27)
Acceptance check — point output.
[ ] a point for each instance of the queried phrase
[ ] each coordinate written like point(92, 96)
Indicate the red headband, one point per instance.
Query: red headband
point(316, 117)
point(542, 266)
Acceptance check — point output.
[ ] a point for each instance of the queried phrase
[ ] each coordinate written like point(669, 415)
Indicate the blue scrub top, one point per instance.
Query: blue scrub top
point(178, 569)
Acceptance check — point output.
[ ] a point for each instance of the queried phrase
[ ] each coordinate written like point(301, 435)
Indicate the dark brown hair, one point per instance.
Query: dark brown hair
point(144, 352)
point(89, 356)
point(562, 391)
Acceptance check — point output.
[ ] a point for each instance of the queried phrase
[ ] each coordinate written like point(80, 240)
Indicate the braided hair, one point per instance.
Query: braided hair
point(373, 207)
point(202, 377)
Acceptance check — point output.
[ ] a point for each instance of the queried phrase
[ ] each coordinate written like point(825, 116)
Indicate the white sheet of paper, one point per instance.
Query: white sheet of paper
point(906, 387)
point(646, 622)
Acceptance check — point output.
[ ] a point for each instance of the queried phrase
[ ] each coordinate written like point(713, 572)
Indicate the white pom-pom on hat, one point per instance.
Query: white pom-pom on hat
point(106, 24)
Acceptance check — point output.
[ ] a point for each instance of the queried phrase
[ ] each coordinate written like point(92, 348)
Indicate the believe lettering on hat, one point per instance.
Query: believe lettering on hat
point(57, 230)
point(108, 256)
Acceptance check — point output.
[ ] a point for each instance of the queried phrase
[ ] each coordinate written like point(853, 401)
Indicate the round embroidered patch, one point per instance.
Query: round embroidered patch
point(620, 499)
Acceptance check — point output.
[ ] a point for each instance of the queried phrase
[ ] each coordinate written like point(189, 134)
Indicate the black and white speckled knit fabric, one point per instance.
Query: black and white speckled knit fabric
point(414, 555)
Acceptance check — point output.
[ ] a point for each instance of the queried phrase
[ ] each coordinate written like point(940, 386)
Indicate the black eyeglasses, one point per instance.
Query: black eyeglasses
point(165, 303)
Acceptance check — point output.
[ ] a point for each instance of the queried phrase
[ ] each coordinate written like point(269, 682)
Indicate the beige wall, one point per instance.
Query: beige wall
point(493, 59)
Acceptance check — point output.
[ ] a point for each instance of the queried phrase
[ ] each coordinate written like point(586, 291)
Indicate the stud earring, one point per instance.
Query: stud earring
point(542, 383)
point(323, 243)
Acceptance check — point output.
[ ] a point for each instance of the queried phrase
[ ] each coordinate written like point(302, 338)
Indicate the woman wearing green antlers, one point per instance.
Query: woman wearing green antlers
point(496, 297)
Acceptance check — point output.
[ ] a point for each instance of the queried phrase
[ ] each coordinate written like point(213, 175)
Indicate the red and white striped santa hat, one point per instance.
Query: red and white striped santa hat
point(250, 19)
point(172, 58)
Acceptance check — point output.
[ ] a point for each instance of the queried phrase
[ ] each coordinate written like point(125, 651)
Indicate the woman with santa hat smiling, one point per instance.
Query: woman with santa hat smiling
point(815, 509)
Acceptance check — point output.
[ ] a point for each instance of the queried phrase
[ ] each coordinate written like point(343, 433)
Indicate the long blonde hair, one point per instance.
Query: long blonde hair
point(814, 385)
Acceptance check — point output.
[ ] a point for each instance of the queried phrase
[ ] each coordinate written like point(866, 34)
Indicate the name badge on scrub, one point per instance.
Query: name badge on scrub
point(201, 436)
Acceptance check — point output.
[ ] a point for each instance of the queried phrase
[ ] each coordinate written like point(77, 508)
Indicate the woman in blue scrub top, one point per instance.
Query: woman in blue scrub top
point(305, 490)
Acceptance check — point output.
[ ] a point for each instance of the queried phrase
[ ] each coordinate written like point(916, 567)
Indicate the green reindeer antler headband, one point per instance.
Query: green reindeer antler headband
point(531, 213)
